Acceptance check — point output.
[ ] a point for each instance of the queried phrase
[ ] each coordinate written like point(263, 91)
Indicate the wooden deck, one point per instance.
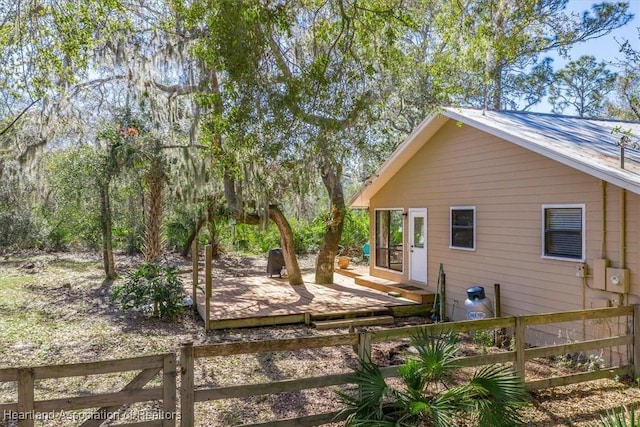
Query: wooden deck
point(262, 301)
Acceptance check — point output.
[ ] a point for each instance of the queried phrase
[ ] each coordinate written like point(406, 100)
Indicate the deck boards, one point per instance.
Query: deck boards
point(261, 300)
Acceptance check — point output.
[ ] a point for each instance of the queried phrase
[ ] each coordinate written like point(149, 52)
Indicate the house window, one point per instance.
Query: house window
point(563, 233)
point(389, 238)
point(463, 227)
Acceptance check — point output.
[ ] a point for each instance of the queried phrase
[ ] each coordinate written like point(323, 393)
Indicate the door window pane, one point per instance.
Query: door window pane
point(389, 237)
point(418, 232)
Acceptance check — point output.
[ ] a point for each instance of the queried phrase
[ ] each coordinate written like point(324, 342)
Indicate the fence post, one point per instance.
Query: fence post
point(169, 390)
point(497, 310)
point(194, 273)
point(519, 336)
point(186, 385)
point(364, 346)
point(25, 397)
point(636, 340)
point(208, 278)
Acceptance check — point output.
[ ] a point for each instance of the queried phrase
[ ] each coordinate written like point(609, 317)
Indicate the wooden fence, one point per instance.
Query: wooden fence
point(26, 410)
point(191, 393)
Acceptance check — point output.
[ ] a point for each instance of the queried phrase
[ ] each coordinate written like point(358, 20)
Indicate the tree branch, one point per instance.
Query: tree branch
point(13, 122)
point(176, 89)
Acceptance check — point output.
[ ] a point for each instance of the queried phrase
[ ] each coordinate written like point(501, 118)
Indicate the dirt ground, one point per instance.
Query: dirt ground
point(57, 309)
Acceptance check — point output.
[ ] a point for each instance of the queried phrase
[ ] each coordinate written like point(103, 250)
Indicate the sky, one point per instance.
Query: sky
point(605, 48)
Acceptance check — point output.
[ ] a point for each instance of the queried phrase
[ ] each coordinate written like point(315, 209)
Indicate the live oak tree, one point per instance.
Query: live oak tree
point(275, 96)
point(304, 71)
point(72, 60)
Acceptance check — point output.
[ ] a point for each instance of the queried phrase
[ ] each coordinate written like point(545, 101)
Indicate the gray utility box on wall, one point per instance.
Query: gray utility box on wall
point(610, 279)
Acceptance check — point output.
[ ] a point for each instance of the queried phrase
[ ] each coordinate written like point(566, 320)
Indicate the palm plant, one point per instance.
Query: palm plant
point(432, 391)
point(620, 418)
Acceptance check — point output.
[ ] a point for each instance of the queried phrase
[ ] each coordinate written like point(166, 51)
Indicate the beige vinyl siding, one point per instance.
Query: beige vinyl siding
point(507, 184)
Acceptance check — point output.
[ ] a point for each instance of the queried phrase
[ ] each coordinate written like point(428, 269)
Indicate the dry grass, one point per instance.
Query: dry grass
point(56, 308)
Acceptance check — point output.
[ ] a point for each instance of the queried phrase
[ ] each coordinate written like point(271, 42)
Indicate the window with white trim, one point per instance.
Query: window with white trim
point(389, 238)
point(563, 232)
point(463, 227)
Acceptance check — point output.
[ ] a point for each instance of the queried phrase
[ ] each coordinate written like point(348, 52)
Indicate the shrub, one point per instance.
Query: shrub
point(432, 392)
point(152, 287)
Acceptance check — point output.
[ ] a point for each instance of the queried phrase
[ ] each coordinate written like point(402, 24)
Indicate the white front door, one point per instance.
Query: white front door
point(418, 245)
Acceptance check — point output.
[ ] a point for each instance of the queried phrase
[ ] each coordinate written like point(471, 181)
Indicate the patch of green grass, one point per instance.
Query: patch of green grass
point(12, 289)
point(74, 266)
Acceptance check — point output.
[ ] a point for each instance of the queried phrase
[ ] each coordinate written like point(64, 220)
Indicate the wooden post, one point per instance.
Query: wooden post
point(208, 277)
point(499, 333)
point(364, 346)
point(636, 340)
point(186, 385)
point(169, 390)
point(194, 264)
point(25, 397)
point(519, 337)
point(443, 298)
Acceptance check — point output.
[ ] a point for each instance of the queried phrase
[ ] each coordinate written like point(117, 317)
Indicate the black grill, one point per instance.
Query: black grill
point(275, 262)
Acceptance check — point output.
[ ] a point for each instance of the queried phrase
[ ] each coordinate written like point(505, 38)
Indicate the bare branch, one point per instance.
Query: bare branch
point(13, 122)
point(176, 90)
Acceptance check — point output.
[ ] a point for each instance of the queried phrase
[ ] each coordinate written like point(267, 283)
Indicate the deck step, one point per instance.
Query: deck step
point(411, 310)
point(349, 272)
point(359, 321)
point(421, 296)
point(351, 314)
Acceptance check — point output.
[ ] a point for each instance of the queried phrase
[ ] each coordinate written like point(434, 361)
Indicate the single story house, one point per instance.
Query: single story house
point(539, 203)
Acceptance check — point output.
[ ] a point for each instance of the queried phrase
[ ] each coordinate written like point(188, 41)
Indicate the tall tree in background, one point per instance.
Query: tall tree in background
point(515, 32)
point(486, 53)
point(626, 105)
point(582, 85)
point(46, 48)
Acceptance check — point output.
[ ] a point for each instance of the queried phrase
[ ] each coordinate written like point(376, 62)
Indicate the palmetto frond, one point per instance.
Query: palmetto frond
point(436, 354)
point(496, 393)
point(620, 418)
point(373, 402)
point(493, 396)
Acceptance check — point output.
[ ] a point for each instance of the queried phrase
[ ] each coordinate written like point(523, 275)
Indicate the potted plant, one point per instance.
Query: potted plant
point(343, 260)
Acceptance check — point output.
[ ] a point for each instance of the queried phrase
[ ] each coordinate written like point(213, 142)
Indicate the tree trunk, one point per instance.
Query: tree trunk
point(153, 242)
point(275, 215)
point(214, 239)
point(331, 174)
point(288, 245)
point(194, 234)
point(105, 225)
point(239, 213)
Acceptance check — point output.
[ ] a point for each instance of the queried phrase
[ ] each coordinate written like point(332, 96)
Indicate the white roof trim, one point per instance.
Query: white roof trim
point(611, 175)
point(428, 127)
point(405, 151)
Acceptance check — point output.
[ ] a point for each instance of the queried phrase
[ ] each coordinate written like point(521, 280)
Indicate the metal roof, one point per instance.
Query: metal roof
point(588, 145)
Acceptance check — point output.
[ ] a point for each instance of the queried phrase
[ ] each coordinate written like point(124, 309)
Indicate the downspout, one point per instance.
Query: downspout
point(603, 247)
point(603, 241)
point(623, 227)
point(623, 240)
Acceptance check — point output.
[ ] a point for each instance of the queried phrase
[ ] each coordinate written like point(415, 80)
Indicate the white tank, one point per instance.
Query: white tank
point(477, 305)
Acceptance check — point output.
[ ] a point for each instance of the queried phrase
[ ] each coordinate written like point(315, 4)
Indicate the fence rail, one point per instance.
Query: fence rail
point(191, 393)
point(26, 407)
point(362, 342)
